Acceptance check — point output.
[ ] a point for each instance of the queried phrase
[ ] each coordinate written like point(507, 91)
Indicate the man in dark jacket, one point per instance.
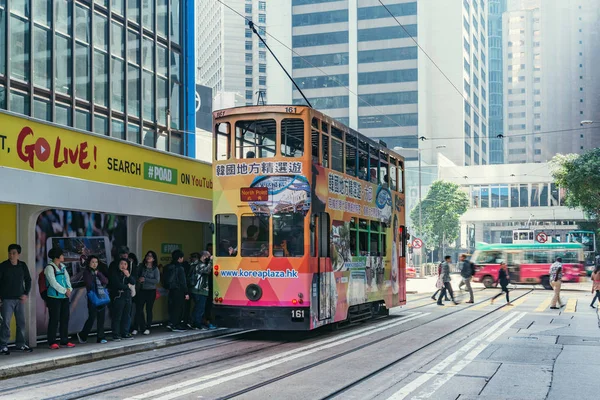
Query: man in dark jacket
point(123, 252)
point(120, 293)
point(15, 284)
point(178, 290)
point(466, 272)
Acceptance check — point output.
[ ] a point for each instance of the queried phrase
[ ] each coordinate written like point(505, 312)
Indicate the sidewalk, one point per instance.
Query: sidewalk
point(42, 358)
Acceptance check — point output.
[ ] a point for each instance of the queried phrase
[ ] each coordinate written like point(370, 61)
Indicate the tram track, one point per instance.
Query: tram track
point(361, 347)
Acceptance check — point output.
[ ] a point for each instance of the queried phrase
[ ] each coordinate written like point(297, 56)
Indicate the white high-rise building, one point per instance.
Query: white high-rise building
point(550, 57)
point(229, 56)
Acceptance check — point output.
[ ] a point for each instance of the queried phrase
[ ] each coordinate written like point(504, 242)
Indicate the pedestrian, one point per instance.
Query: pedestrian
point(120, 291)
point(199, 278)
point(187, 304)
point(59, 295)
point(446, 280)
point(209, 248)
point(15, 284)
point(122, 252)
point(148, 277)
point(555, 281)
point(504, 279)
point(95, 281)
point(439, 284)
point(596, 285)
point(133, 264)
point(466, 272)
point(177, 285)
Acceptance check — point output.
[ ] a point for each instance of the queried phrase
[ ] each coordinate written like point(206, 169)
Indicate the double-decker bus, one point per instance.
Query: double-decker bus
point(308, 220)
point(588, 240)
point(527, 263)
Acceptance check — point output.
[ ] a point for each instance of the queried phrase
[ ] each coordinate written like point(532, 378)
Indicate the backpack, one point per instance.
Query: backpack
point(473, 269)
point(43, 287)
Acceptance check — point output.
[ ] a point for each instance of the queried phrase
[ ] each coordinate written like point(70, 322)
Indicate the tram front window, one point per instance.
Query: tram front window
point(255, 139)
point(226, 231)
point(288, 235)
point(255, 236)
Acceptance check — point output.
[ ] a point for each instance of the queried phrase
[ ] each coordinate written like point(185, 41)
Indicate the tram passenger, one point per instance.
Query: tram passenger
point(252, 246)
point(225, 249)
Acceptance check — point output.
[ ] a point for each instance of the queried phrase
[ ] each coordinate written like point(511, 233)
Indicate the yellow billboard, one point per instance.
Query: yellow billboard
point(40, 147)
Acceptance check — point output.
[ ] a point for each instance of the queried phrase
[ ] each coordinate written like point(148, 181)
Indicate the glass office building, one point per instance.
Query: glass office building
point(112, 67)
point(496, 87)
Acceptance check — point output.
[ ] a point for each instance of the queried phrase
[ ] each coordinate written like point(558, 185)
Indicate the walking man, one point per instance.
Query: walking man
point(555, 281)
point(15, 284)
point(446, 280)
point(466, 272)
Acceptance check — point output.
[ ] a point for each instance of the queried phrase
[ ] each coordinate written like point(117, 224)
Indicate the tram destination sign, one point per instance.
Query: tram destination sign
point(254, 194)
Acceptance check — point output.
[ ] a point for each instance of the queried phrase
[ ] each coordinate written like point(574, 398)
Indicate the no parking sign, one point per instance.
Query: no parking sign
point(541, 237)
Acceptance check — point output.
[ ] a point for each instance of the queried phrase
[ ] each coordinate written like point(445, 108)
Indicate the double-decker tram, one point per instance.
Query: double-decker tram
point(588, 240)
point(308, 221)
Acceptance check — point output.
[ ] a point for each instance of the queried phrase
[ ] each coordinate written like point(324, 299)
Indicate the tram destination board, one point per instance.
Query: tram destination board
point(254, 194)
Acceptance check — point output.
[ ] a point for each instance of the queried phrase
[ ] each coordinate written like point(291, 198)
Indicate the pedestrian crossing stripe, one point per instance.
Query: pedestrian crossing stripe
point(481, 305)
point(571, 306)
point(515, 303)
point(544, 305)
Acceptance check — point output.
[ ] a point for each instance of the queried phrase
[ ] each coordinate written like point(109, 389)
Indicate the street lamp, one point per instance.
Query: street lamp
point(420, 213)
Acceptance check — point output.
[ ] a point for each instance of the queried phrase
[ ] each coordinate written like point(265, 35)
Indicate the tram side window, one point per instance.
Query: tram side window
point(255, 236)
point(363, 160)
point(255, 139)
point(351, 155)
point(373, 164)
point(568, 257)
point(536, 257)
point(337, 133)
point(363, 237)
point(375, 248)
point(353, 234)
point(292, 137)
point(393, 175)
point(226, 233)
point(383, 170)
point(223, 142)
point(337, 155)
point(401, 177)
point(288, 235)
point(314, 140)
point(489, 257)
point(325, 150)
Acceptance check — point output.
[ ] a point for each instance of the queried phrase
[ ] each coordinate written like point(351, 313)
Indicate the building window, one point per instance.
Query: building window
point(248, 8)
point(262, 68)
point(248, 45)
point(386, 33)
point(249, 82)
point(467, 129)
point(262, 80)
point(262, 5)
point(248, 69)
point(320, 18)
point(262, 18)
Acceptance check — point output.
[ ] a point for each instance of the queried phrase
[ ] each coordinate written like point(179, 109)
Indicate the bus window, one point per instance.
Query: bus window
point(568, 257)
point(255, 139)
point(223, 142)
point(255, 236)
point(351, 155)
point(288, 235)
point(383, 170)
point(292, 137)
point(226, 233)
point(400, 176)
point(314, 142)
point(393, 176)
point(375, 249)
point(363, 160)
point(489, 257)
point(337, 155)
point(373, 164)
point(325, 150)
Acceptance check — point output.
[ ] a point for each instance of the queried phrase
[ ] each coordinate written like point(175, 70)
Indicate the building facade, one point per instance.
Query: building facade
point(550, 54)
point(456, 38)
point(355, 63)
point(496, 81)
point(230, 57)
point(113, 68)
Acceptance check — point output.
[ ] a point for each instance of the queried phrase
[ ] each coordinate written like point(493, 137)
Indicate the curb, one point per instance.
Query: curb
point(35, 366)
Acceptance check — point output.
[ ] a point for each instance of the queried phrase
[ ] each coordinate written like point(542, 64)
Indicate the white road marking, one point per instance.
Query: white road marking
point(218, 378)
point(472, 349)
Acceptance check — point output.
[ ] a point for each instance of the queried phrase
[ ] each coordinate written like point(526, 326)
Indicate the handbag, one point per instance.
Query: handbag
point(439, 284)
point(132, 288)
point(99, 297)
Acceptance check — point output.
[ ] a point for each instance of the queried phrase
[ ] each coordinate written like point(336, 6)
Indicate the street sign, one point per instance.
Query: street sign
point(417, 243)
point(542, 237)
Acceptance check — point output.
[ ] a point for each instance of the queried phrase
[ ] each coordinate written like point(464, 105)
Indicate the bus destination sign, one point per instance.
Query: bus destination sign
point(254, 194)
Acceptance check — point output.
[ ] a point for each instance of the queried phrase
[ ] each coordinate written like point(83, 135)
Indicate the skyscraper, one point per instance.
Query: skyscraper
point(116, 68)
point(230, 57)
point(550, 58)
point(495, 75)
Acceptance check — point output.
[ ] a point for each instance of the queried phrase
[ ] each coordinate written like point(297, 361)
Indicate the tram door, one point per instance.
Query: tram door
point(322, 227)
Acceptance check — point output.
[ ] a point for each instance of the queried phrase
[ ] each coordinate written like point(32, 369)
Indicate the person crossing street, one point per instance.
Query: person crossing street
point(466, 272)
point(446, 280)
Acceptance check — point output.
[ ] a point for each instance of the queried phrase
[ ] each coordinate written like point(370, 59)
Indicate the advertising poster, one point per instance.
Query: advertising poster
point(79, 234)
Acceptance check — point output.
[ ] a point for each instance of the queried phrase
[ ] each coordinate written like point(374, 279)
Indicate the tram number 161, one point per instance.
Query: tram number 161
point(297, 315)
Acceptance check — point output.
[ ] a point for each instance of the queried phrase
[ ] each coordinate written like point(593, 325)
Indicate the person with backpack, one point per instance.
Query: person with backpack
point(556, 272)
point(446, 280)
point(95, 282)
point(119, 285)
point(199, 277)
point(15, 284)
point(467, 270)
point(148, 277)
point(176, 283)
point(504, 279)
point(59, 294)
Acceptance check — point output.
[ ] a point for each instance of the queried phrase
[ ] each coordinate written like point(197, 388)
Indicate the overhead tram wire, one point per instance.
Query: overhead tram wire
point(381, 112)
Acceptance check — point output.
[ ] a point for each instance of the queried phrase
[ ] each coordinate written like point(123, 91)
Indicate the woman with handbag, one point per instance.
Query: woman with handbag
point(98, 299)
point(120, 284)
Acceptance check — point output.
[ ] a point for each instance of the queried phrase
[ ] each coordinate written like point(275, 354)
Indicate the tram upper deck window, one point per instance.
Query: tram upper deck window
point(226, 233)
point(255, 236)
point(400, 176)
point(255, 139)
point(288, 235)
point(325, 150)
point(337, 155)
point(384, 177)
point(351, 155)
point(363, 160)
point(393, 173)
point(314, 140)
point(292, 137)
point(223, 141)
point(373, 164)
point(337, 133)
